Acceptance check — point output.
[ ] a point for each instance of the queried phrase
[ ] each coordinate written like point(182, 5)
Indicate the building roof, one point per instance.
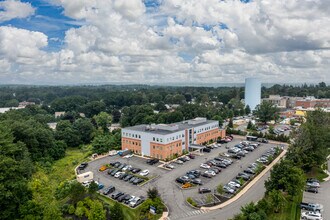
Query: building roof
point(164, 129)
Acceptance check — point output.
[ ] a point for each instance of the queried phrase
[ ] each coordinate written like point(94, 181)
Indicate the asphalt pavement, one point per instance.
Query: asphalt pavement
point(323, 197)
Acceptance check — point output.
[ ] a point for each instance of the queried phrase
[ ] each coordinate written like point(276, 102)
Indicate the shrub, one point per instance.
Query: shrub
point(191, 202)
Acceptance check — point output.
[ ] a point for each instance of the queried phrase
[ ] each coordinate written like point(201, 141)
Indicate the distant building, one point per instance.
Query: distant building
point(114, 127)
point(52, 125)
point(311, 102)
point(24, 104)
point(165, 140)
point(252, 92)
point(277, 100)
point(59, 114)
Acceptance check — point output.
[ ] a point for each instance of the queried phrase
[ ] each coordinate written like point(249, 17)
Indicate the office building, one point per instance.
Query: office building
point(165, 140)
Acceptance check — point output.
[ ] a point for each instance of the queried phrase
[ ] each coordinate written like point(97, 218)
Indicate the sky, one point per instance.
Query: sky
point(59, 42)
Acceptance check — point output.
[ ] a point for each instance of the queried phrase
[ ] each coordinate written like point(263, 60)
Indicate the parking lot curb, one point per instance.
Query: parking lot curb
point(242, 192)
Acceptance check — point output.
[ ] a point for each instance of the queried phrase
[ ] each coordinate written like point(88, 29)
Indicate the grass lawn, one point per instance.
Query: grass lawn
point(291, 211)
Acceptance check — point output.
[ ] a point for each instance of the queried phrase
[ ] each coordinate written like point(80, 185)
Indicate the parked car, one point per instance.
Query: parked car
point(123, 176)
point(197, 181)
point(244, 176)
point(204, 190)
point(109, 190)
point(135, 170)
point(137, 181)
point(207, 150)
point(228, 189)
point(118, 174)
point(116, 195)
point(312, 189)
point(114, 172)
point(211, 172)
point(249, 171)
point(126, 178)
point(128, 156)
point(235, 184)
point(191, 156)
point(131, 199)
point(128, 167)
point(152, 161)
point(144, 173)
point(134, 202)
point(169, 166)
point(178, 162)
point(181, 180)
point(311, 207)
point(82, 166)
point(131, 180)
point(205, 166)
point(312, 184)
point(311, 216)
point(207, 175)
point(183, 159)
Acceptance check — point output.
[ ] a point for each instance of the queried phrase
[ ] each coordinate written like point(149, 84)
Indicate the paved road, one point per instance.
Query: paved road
point(323, 197)
point(255, 193)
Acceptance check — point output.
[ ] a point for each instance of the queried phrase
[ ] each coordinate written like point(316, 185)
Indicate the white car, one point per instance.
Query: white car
point(311, 216)
point(186, 157)
point(128, 167)
point(313, 184)
point(211, 172)
point(118, 174)
point(234, 184)
point(144, 173)
point(205, 166)
point(226, 154)
point(178, 162)
point(128, 156)
point(134, 201)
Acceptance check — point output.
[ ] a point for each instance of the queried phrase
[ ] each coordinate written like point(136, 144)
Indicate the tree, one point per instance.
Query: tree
point(219, 119)
point(286, 177)
point(16, 169)
point(277, 199)
point(77, 192)
point(64, 131)
point(247, 109)
point(230, 124)
point(103, 120)
point(116, 116)
point(160, 106)
point(220, 189)
point(93, 187)
point(103, 143)
point(116, 212)
point(153, 193)
point(93, 108)
point(266, 111)
point(249, 125)
point(97, 211)
point(85, 129)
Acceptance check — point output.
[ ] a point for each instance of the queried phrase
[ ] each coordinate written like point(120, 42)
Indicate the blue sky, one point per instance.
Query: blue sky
point(48, 19)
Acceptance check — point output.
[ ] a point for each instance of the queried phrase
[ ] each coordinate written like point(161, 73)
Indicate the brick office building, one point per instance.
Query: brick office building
point(162, 141)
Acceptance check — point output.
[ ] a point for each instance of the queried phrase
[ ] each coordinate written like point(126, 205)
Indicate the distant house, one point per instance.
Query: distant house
point(59, 114)
point(52, 125)
point(82, 115)
point(114, 127)
point(24, 104)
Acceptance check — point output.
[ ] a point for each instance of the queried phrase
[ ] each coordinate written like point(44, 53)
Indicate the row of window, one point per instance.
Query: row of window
point(126, 134)
point(132, 142)
point(168, 139)
point(205, 129)
point(207, 134)
point(161, 147)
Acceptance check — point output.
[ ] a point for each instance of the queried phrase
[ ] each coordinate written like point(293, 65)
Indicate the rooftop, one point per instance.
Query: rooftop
point(165, 129)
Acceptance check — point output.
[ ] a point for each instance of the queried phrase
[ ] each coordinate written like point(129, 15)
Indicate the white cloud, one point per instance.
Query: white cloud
point(182, 41)
point(10, 9)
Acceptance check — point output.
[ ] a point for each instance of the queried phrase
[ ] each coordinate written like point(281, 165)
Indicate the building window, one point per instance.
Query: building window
point(153, 138)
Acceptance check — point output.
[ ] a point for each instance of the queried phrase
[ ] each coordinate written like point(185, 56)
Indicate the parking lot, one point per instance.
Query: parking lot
point(170, 191)
point(322, 197)
point(121, 185)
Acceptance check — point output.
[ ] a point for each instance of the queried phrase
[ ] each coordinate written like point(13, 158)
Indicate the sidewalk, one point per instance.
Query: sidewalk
point(243, 191)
